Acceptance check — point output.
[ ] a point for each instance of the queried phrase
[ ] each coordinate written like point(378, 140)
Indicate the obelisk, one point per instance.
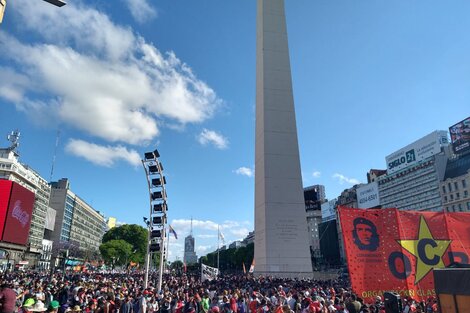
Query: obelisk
point(281, 238)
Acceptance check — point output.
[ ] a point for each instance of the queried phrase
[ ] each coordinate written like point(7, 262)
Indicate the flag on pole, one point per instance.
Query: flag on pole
point(172, 231)
point(184, 266)
point(244, 268)
point(252, 267)
point(221, 237)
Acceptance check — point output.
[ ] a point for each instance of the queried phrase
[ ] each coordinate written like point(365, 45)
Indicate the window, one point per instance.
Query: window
point(453, 207)
point(468, 206)
point(456, 185)
point(451, 197)
point(464, 183)
point(450, 187)
point(460, 207)
point(445, 198)
point(457, 195)
point(444, 189)
point(465, 193)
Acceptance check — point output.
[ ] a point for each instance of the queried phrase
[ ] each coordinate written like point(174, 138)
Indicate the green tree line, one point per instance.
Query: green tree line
point(231, 259)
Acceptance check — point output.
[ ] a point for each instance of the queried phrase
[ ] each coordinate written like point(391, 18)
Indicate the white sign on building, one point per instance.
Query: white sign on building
point(368, 196)
point(419, 150)
point(328, 211)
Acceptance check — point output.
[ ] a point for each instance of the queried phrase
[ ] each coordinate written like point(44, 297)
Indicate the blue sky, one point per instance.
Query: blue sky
point(119, 78)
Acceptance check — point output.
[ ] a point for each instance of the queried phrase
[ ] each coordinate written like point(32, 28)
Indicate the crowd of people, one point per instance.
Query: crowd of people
point(115, 292)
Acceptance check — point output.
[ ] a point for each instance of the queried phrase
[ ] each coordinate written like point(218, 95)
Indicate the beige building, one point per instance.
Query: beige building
point(455, 189)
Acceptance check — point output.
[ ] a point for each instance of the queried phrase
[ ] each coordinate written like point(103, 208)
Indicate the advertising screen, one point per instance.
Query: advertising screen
point(368, 196)
point(418, 151)
point(5, 190)
point(460, 135)
point(20, 210)
point(328, 210)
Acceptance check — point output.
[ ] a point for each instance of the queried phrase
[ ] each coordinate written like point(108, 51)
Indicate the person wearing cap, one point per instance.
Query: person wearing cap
point(76, 308)
point(38, 307)
point(53, 306)
point(27, 305)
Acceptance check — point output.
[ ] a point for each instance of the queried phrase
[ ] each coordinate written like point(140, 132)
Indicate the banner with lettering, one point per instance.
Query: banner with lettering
point(208, 273)
point(392, 250)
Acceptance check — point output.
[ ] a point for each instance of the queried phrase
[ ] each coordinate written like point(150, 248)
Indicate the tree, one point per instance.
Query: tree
point(231, 259)
point(116, 252)
point(133, 234)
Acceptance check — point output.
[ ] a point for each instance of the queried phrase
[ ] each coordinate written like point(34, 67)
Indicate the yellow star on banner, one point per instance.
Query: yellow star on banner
point(427, 250)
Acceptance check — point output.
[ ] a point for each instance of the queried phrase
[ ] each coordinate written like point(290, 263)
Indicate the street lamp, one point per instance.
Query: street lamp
point(158, 208)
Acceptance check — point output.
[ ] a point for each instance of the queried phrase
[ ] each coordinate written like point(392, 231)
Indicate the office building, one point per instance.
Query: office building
point(414, 174)
point(455, 188)
point(190, 256)
point(111, 223)
point(78, 225)
point(314, 197)
point(250, 238)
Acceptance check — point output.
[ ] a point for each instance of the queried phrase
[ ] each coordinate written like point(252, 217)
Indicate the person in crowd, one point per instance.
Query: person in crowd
point(7, 299)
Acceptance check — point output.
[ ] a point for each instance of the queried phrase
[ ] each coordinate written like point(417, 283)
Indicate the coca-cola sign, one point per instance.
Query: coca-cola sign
point(20, 214)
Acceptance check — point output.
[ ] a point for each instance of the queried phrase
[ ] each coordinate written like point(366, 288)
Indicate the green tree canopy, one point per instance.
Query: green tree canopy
point(133, 234)
point(116, 252)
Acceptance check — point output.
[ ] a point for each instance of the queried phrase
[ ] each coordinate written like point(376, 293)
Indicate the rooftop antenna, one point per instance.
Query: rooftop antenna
point(14, 138)
point(55, 154)
point(191, 233)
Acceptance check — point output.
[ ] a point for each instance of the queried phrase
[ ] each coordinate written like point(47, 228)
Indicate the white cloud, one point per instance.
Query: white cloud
point(343, 179)
point(101, 155)
point(141, 10)
point(203, 250)
point(240, 233)
point(211, 137)
point(246, 171)
point(316, 174)
point(232, 227)
point(205, 236)
point(97, 76)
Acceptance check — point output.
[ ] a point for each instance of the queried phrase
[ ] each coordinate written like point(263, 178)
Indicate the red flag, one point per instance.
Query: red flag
point(184, 267)
point(392, 250)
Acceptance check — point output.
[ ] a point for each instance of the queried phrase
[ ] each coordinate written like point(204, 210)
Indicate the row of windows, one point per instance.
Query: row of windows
point(411, 188)
point(456, 186)
point(458, 208)
point(408, 174)
point(457, 196)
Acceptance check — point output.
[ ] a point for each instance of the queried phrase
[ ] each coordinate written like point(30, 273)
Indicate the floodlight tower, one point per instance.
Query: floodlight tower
point(158, 208)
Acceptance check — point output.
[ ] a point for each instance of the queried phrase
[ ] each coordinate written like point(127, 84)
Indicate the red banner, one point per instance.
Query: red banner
point(18, 220)
point(392, 250)
point(5, 191)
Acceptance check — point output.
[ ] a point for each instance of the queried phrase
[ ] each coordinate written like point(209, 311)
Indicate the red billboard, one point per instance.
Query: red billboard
point(18, 217)
point(460, 135)
point(5, 191)
point(392, 250)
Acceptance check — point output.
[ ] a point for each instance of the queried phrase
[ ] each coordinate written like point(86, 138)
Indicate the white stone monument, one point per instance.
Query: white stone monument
point(281, 237)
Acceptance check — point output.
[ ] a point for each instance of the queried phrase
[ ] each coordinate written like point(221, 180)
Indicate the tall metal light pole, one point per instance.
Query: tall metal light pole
point(158, 208)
